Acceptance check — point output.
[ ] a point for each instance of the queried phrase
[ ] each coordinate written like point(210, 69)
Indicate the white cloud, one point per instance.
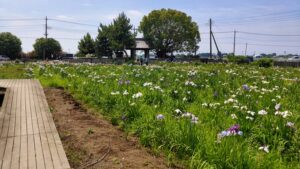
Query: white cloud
point(134, 13)
point(64, 17)
point(110, 16)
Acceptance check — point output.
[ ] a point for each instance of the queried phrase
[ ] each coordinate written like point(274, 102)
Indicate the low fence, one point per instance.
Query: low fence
point(97, 60)
point(124, 60)
point(287, 63)
point(195, 60)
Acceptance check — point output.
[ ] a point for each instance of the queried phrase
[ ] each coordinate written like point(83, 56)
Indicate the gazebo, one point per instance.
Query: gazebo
point(140, 44)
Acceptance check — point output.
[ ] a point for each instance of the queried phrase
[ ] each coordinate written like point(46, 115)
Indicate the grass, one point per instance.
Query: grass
point(12, 71)
point(207, 116)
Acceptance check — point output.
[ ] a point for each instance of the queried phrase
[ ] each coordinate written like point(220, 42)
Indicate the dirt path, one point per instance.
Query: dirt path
point(87, 138)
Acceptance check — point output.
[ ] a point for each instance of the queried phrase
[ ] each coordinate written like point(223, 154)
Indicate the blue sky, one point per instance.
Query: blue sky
point(262, 16)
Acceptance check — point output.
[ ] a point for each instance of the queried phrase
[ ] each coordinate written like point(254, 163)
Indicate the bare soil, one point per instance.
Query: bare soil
point(88, 138)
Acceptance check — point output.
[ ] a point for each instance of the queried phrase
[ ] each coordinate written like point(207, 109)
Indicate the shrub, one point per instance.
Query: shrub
point(238, 59)
point(264, 62)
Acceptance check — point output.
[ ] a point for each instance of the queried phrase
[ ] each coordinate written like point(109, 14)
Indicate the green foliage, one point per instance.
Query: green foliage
point(169, 31)
point(264, 62)
point(219, 95)
point(12, 71)
point(90, 131)
point(102, 43)
point(115, 37)
point(10, 45)
point(121, 35)
point(86, 45)
point(238, 59)
point(51, 47)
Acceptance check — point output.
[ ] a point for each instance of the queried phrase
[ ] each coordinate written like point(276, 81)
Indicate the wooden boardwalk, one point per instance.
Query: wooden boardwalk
point(28, 136)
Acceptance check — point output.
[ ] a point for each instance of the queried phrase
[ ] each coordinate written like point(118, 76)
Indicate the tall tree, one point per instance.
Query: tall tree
point(10, 45)
point(115, 37)
point(102, 42)
point(169, 31)
point(51, 47)
point(120, 35)
point(86, 45)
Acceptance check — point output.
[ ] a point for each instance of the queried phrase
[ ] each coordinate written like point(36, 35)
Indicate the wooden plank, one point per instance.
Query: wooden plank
point(30, 126)
point(15, 163)
point(24, 144)
point(40, 164)
point(23, 156)
point(15, 156)
point(44, 139)
point(31, 154)
point(58, 143)
point(10, 114)
point(23, 108)
point(28, 136)
point(7, 109)
point(6, 162)
point(7, 102)
point(58, 157)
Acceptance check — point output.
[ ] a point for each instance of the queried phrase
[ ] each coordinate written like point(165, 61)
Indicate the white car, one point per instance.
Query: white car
point(294, 58)
point(4, 58)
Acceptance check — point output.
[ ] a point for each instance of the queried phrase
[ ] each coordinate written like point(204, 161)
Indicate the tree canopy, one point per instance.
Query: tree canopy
point(10, 45)
point(121, 35)
point(86, 45)
point(102, 42)
point(116, 36)
point(169, 31)
point(51, 47)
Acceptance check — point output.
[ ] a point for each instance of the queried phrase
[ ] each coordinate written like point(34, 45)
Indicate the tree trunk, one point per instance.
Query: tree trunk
point(125, 53)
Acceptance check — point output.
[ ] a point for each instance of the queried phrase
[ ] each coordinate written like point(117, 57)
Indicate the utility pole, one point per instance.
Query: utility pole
point(246, 49)
point(210, 38)
point(219, 53)
point(234, 42)
point(134, 31)
point(46, 28)
point(46, 36)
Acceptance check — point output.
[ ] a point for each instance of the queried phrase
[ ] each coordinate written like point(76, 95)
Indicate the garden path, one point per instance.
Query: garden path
point(28, 136)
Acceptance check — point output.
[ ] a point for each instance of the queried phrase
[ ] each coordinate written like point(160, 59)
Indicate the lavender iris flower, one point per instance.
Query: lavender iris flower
point(246, 87)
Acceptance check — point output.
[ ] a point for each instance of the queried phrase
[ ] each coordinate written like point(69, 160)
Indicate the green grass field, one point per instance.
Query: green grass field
point(204, 116)
point(12, 71)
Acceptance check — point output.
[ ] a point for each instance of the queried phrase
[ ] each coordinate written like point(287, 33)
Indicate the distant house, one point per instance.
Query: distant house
point(3, 58)
point(65, 55)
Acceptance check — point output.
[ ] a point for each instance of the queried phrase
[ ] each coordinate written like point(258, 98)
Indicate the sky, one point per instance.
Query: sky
point(279, 19)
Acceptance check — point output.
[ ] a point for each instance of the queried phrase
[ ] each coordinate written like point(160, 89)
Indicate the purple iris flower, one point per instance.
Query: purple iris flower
point(234, 129)
point(127, 82)
point(246, 87)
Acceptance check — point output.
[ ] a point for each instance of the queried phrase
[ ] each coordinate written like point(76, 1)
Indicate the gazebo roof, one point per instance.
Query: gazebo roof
point(141, 44)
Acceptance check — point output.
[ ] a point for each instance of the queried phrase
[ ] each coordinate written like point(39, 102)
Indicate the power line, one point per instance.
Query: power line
point(12, 26)
point(217, 32)
point(24, 19)
point(63, 38)
point(73, 30)
point(265, 34)
point(253, 44)
point(71, 22)
point(269, 15)
point(267, 40)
